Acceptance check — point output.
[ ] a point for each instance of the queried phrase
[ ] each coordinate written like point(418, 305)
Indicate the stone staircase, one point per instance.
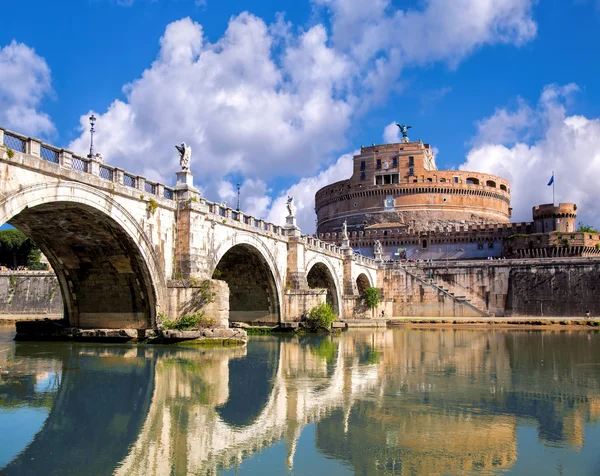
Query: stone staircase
point(454, 292)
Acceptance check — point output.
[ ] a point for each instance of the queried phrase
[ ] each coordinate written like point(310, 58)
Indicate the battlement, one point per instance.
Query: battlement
point(549, 210)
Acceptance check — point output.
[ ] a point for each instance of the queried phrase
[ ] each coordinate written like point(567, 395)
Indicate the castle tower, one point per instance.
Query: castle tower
point(548, 217)
point(399, 186)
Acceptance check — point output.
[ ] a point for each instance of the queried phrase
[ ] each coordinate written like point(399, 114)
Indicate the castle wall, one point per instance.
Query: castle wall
point(510, 288)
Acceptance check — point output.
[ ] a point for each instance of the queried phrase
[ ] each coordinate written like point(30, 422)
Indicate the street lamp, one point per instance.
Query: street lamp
point(92, 122)
point(238, 190)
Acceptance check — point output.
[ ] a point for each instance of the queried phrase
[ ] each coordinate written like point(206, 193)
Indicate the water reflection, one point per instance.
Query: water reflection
point(401, 401)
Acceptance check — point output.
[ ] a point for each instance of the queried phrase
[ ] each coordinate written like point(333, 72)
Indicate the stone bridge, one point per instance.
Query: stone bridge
point(128, 251)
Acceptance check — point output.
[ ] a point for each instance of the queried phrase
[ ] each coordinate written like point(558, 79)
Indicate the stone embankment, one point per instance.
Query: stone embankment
point(26, 294)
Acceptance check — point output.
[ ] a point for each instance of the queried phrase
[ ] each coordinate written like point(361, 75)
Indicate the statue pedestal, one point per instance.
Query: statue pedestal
point(185, 180)
point(405, 140)
point(378, 257)
point(291, 227)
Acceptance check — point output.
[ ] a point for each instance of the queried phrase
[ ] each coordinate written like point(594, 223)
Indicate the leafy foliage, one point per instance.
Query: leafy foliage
point(371, 297)
point(17, 250)
point(321, 317)
point(586, 228)
point(189, 321)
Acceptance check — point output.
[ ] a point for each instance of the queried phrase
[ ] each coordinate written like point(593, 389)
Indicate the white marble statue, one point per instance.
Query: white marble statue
point(290, 206)
point(377, 248)
point(345, 230)
point(185, 156)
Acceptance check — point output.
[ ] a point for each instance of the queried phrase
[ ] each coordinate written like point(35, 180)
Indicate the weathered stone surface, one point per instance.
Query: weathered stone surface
point(29, 293)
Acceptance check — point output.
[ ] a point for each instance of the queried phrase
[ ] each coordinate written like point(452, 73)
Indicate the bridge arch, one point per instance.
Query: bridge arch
point(320, 273)
point(362, 283)
point(246, 264)
point(108, 272)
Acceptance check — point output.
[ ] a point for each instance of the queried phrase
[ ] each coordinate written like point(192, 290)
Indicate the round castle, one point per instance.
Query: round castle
point(399, 186)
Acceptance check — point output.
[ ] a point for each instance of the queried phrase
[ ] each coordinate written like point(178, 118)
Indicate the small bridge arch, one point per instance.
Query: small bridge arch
point(249, 268)
point(321, 273)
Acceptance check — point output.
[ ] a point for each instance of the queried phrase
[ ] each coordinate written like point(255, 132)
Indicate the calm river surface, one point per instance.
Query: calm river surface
point(398, 401)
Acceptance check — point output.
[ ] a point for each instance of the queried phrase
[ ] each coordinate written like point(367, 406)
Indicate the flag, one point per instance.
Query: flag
point(551, 180)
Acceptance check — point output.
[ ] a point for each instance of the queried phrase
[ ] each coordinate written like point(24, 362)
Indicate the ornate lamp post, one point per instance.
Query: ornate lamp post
point(92, 122)
point(238, 190)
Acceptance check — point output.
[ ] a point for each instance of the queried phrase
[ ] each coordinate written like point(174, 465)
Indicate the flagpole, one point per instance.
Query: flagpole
point(553, 180)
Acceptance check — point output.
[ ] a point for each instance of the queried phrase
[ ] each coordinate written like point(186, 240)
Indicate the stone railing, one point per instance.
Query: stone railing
point(320, 245)
point(94, 165)
point(366, 260)
point(227, 215)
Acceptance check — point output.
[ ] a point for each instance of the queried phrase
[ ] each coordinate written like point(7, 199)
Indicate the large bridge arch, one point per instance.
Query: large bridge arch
point(247, 265)
point(109, 274)
point(320, 273)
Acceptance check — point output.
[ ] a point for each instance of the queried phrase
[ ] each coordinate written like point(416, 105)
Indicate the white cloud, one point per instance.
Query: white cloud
point(391, 133)
point(569, 145)
point(25, 80)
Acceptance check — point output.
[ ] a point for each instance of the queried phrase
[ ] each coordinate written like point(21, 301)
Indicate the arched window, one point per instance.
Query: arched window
point(503, 187)
point(472, 181)
point(490, 183)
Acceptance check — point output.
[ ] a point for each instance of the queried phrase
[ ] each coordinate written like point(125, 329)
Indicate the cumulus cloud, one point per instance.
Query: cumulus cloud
point(270, 101)
point(25, 80)
point(391, 133)
point(567, 144)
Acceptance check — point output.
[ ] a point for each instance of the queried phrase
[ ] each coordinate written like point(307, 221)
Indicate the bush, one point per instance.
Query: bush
point(321, 317)
point(371, 297)
point(189, 322)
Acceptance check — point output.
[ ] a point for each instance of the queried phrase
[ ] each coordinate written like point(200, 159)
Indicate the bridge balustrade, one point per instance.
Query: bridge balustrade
point(79, 164)
point(13, 142)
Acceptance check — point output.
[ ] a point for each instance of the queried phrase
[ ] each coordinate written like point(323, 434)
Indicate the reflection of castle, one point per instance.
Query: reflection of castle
point(397, 196)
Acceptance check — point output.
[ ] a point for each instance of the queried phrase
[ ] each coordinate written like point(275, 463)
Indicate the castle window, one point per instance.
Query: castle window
point(363, 165)
point(378, 163)
point(411, 171)
point(490, 183)
point(472, 181)
point(455, 179)
point(503, 187)
point(395, 162)
point(411, 161)
point(430, 180)
point(363, 175)
point(442, 180)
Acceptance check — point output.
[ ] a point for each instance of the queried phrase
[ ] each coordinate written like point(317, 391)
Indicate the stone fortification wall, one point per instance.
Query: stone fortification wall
point(535, 287)
point(29, 293)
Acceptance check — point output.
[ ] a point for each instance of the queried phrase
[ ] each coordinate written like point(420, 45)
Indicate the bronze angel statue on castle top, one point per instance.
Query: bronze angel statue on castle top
point(404, 129)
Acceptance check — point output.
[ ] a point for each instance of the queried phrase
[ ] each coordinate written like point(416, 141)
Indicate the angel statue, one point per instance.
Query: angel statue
point(377, 248)
point(290, 206)
point(345, 230)
point(185, 155)
point(404, 129)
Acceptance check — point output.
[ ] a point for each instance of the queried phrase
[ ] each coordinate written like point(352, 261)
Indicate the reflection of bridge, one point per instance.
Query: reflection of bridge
point(125, 249)
point(441, 401)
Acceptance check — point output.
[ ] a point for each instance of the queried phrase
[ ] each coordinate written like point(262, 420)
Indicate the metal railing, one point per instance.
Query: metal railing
point(48, 154)
point(13, 142)
point(128, 180)
point(150, 187)
point(107, 173)
point(79, 164)
point(168, 193)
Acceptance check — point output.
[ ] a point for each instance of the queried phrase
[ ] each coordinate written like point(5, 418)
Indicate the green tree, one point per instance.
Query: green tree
point(371, 298)
point(585, 228)
point(18, 250)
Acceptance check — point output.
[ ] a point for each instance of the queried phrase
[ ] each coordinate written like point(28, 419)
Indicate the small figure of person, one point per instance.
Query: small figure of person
point(383, 314)
point(587, 314)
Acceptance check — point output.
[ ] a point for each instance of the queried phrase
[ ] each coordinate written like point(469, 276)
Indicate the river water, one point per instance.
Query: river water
point(370, 402)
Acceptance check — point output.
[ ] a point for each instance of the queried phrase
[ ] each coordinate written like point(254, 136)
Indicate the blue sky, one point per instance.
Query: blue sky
point(278, 95)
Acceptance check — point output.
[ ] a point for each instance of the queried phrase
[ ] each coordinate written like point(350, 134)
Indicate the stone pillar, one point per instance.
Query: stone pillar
point(32, 147)
point(118, 175)
point(140, 183)
point(184, 189)
point(65, 159)
point(95, 167)
point(1, 137)
point(296, 275)
point(350, 288)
